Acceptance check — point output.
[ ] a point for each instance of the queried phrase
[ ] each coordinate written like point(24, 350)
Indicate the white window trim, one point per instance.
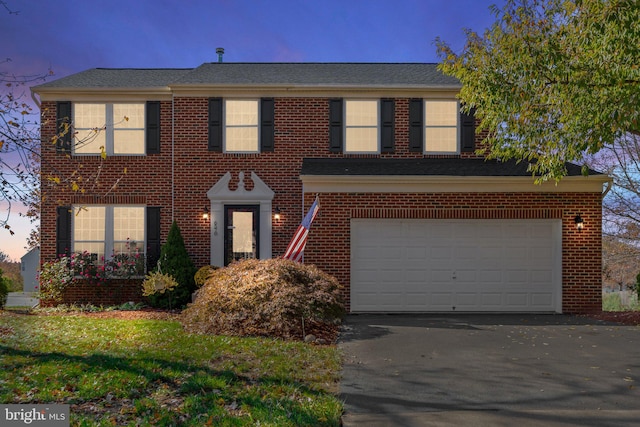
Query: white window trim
point(425, 126)
point(224, 126)
point(109, 129)
point(345, 127)
point(108, 228)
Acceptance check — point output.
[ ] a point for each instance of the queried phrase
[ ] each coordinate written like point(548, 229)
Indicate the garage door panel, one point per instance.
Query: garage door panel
point(462, 265)
point(517, 299)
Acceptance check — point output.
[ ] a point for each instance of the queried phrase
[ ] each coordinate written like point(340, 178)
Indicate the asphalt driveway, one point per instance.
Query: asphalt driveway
point(489, 370)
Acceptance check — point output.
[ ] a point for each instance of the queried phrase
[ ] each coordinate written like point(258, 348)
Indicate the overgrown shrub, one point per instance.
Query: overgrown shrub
point(4, 290)
point(273, 297)
point(175, 261)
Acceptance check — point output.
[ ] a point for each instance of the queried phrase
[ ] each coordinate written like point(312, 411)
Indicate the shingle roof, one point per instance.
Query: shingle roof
point(422, 167)
point(320, 74)
point(379, 75)
point(105, 78)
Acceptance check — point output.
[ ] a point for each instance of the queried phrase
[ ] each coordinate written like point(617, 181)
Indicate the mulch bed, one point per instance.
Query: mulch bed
point(622, 317)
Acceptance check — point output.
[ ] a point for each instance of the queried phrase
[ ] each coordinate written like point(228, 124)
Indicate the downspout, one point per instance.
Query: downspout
point(609, 184)
point(33, 96)
point(173, 141)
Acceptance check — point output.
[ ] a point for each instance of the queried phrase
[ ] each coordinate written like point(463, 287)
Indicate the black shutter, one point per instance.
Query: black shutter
point(153, 127)
point(153, 237)
point(63, 126)
point(266, 124)
point(335, 125)
point(387, 137)
point(468, 132)
point(63, 230)
point(416, 125)
point(215, 124)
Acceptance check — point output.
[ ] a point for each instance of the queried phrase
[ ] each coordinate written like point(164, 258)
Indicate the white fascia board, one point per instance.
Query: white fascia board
point(104, 94)
point(448, 184)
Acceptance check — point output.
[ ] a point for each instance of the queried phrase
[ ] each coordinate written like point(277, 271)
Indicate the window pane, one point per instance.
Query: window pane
point(243, 238)
point(88, 224)
point(128, 224)
point(361, 113)
point(243, 112)
point(87, 116)
point(128, 141)
point(361, 140)
point(441, 139)
point(133, 112)
point(441, 113)
point(89, 142)
point(241, 139)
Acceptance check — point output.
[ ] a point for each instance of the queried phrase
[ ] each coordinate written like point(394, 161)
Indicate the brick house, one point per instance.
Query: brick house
point(411, 217)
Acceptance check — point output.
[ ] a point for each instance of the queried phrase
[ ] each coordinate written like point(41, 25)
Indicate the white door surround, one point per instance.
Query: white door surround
point(220, 195)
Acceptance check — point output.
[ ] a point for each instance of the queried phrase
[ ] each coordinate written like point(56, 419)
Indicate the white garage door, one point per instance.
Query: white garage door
point(455, 265)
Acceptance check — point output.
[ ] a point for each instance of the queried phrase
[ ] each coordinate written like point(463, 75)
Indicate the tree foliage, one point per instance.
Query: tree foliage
point(552, 80)
point(620, 264)
point(621, 205)
point(19, 145)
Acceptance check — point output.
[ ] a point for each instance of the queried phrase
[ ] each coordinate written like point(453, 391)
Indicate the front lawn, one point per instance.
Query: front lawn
point(147, 372)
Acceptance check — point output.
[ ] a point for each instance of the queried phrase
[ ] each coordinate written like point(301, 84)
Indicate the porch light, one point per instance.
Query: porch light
point(579, 222)
point(276, 214)
point(205, 213)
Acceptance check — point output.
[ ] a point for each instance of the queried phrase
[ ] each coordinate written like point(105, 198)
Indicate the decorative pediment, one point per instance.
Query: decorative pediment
point(221, 190)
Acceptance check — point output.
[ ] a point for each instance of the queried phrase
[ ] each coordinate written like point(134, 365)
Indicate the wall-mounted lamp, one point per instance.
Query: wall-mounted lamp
point(205, 213)
point(276, 214)
point(579, 222)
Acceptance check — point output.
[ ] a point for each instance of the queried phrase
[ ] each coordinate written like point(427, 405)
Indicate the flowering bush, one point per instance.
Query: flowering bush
point(56, 275)
point(124, 265)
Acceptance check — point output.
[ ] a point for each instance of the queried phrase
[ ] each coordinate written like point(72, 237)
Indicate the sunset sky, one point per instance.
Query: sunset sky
point(68, 36)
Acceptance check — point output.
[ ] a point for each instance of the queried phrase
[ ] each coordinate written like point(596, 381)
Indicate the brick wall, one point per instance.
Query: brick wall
point(302, 131)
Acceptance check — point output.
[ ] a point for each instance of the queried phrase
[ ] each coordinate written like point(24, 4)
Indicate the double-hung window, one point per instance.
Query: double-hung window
point(105, 231)
point(241, 125)
point(441, 126)
point(361, 127)
point(241, 119)
point(110, 128)
point(436, 126)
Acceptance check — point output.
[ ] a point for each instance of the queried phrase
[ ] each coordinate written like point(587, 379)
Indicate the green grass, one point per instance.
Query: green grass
point(151, 373)
point(612, 302)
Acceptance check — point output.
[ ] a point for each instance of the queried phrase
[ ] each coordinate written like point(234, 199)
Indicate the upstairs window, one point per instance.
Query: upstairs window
point(441, 126)
point(241, 126)
point(436, 126)
point(118, 128)
point(361, 126)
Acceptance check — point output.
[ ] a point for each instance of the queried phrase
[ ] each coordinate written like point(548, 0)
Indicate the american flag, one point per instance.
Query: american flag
point(298, 242)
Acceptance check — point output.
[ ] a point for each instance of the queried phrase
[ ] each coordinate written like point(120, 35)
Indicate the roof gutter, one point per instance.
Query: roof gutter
point(448, 184)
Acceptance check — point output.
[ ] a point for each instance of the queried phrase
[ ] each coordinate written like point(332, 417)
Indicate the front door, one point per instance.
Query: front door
point(241, 232)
